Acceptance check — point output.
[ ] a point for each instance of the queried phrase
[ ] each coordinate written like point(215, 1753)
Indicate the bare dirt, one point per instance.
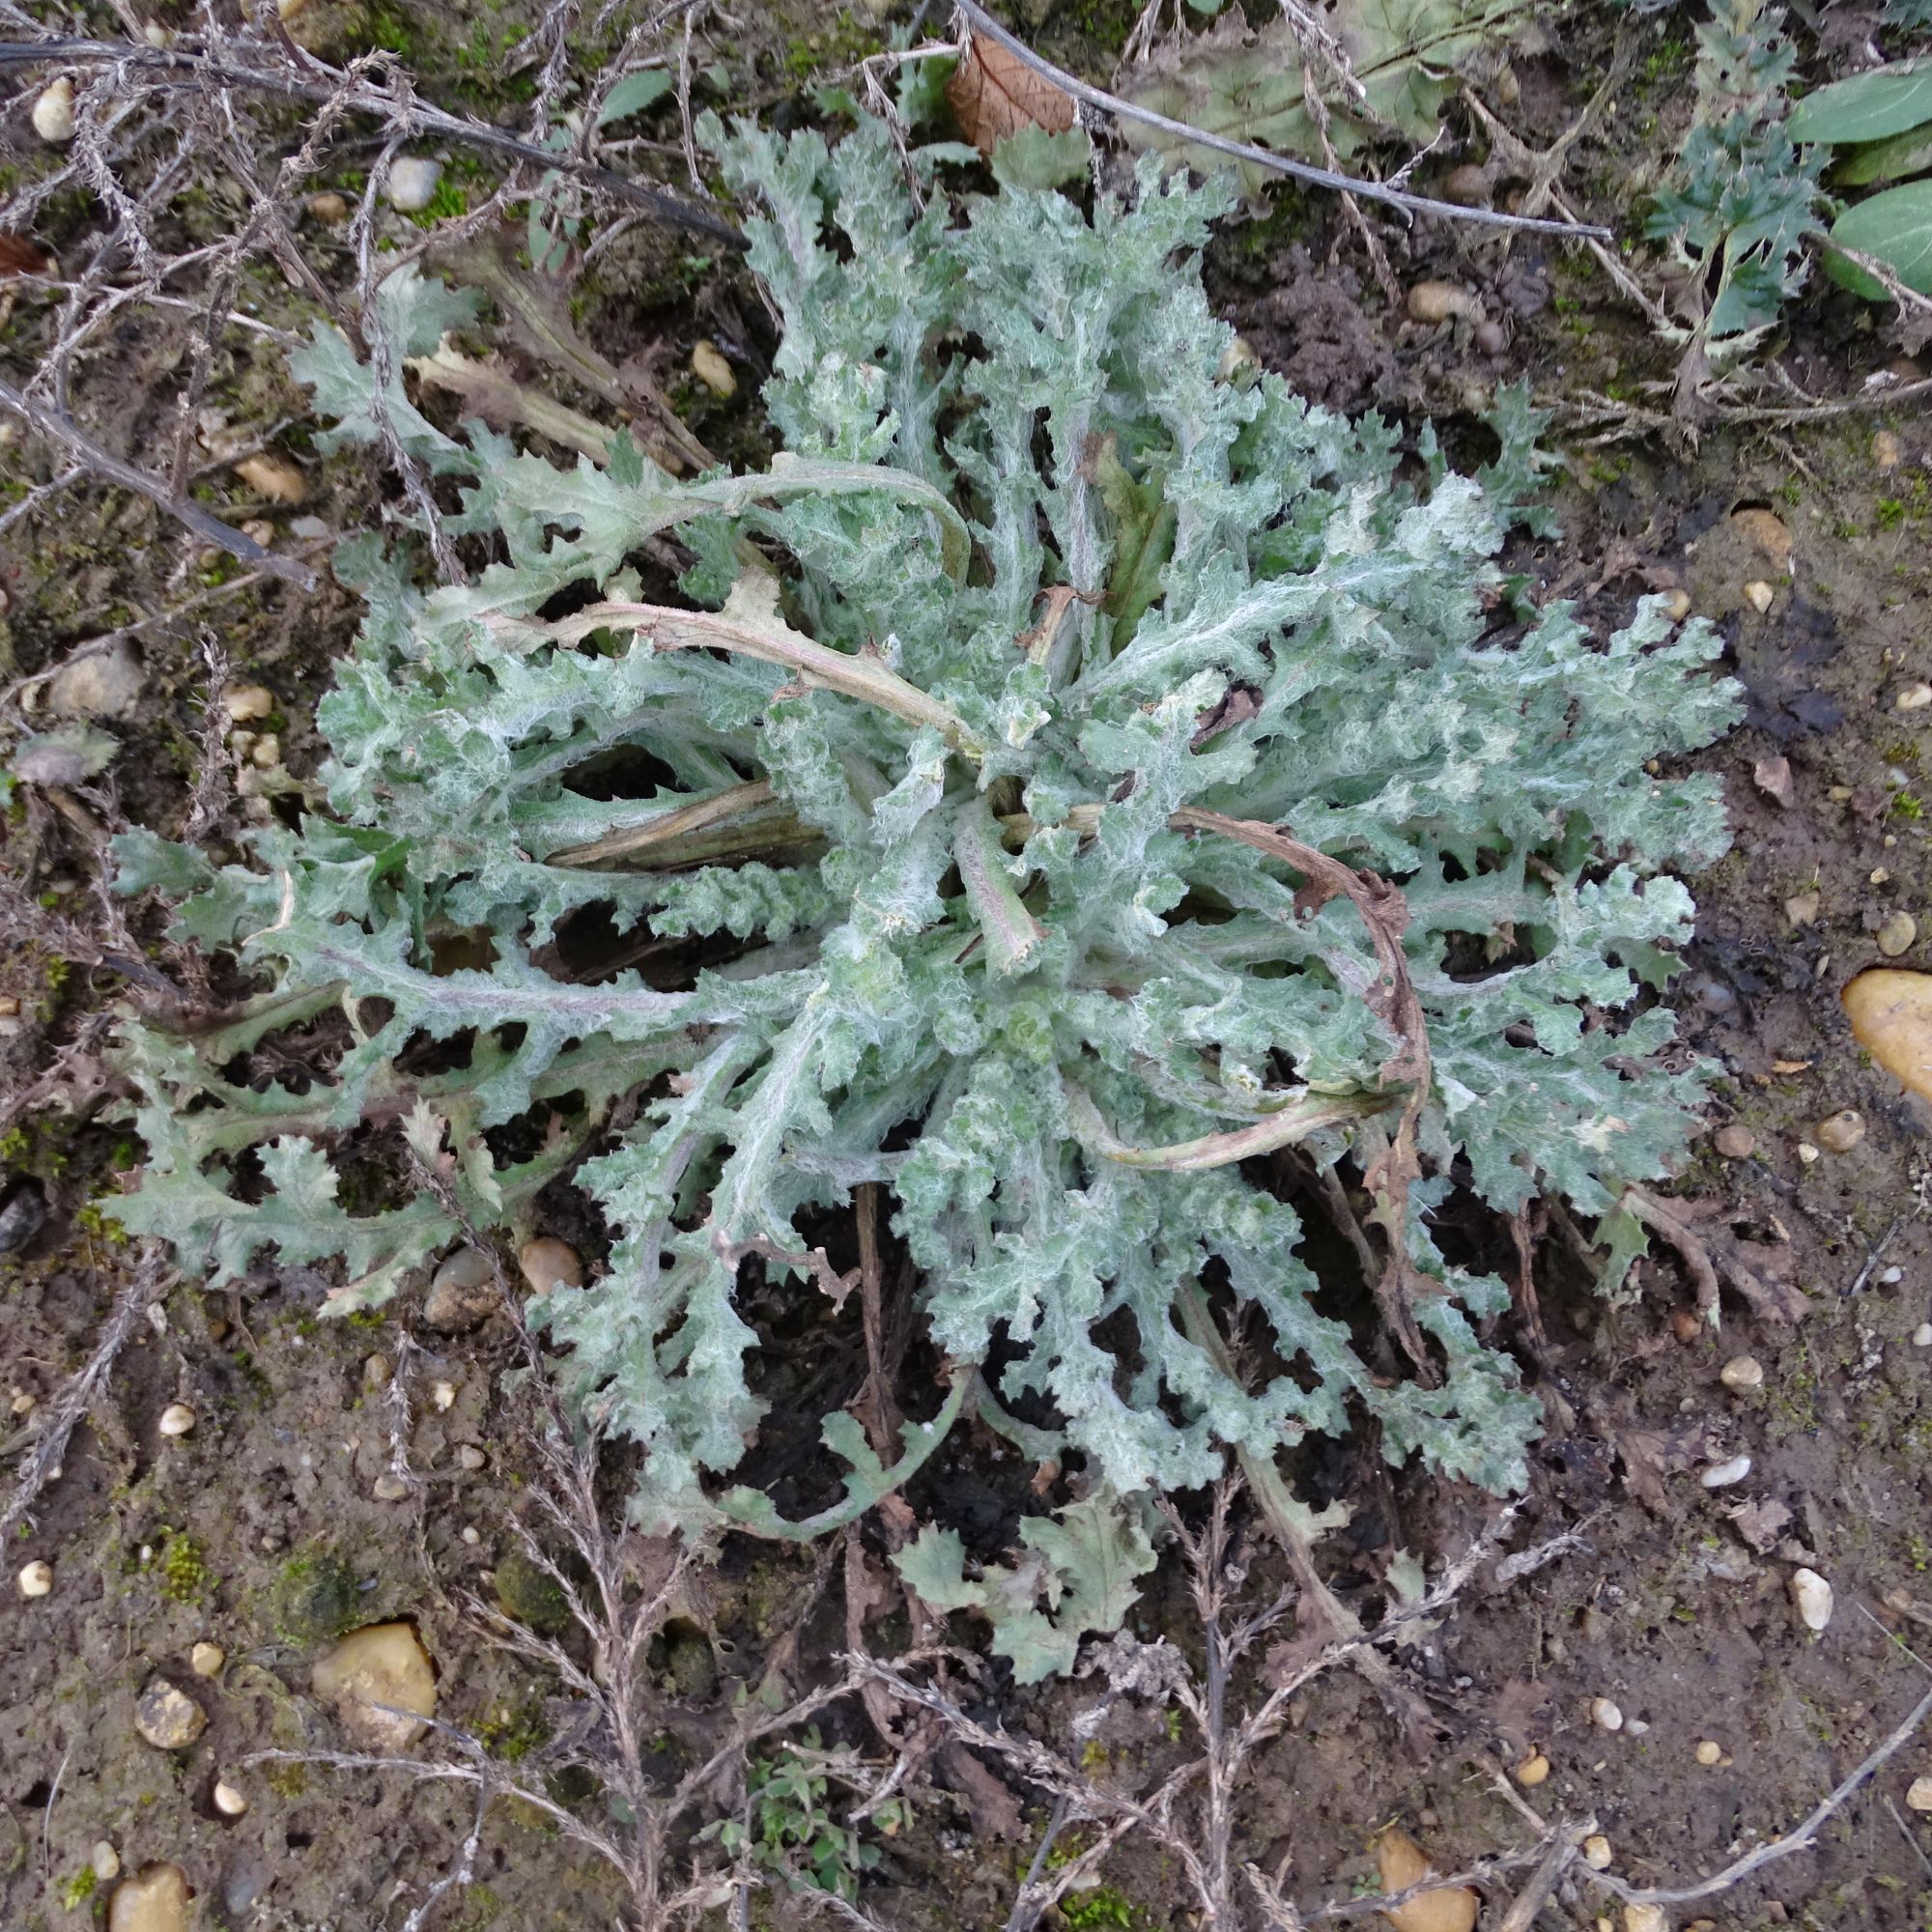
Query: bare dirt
point(259, 1530)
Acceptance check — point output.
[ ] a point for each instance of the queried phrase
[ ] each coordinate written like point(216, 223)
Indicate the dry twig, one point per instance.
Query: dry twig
point(982, 22)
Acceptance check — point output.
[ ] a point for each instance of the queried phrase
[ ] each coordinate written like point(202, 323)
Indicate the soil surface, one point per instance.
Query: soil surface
point(262, 1529)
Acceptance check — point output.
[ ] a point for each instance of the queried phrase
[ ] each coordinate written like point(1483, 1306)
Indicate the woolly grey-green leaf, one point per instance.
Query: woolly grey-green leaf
point(905, 853)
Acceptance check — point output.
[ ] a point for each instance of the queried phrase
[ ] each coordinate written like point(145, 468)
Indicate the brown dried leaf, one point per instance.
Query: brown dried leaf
point(1762, 1524)
point(20, 256)
point(993, 93)
point(1513, 1714)
point(994, 1809)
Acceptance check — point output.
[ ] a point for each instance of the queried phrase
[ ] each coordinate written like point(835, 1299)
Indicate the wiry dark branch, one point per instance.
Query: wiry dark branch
point(190, 66)
point(982, 22)
point(62, 429)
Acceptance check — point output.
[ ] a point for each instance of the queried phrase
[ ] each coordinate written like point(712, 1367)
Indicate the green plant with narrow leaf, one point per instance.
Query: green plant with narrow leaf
point(1066, 781)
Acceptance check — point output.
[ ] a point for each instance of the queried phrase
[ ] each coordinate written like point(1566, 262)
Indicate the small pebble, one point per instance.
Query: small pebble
point(1890, 1010)
point(104, 1861)
point(1491, 338)
point(1734, 1142)
point(1468, 186)
point(377, 1370)
point(1759, 595)
point(1897, 934)
point(1813, 1596)
point(1773, 778)
point(442, 1397)
point(1532, 1772)
point(1605, 1715)
point(167, 1718)
point(1840, 1132)
point(328, 207)
point(471, 1535)
point(1677, 606)
point(548, 1262)
point(1919, 1797)
point(1913, 697)
point(1887, 452)
point(229, 1801)
point(1921, 1336)
point(206, 1659)
point(462, 1292)
point(104, 684)
point(1635, 1727)
point(1710, 1753)
point(1437, 301)
point(1684, 1326)
point(53, 112)
point(1645, 1918)
point(177, 1419)
point(274, 476)
point(1802, 908)
point(1766, 532)
point(1807, 1152)
point(36, 1580)
point(1722, 1475)
point(709, 366)
point(1236, 359)
point(155, 1900)
point(471, 1457)
point(1742, 1372)
point(1890, 1277)
point(389, 1488)
point(245, 703)
point(265, 753)
point(411, 185)
point(1597, 1850)
point(380, 1664)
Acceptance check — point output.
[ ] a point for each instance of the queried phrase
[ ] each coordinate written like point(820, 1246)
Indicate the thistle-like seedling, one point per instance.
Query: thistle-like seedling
point(1078, 771)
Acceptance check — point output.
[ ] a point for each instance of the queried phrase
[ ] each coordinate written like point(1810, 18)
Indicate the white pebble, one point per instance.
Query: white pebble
point(177, 1419)
point(1597, 1852)
point(1919, 1797)
point(36, 1580)
point(1645, 1918)
point(1742, 1372)
point(1813, 1596)
point(1722, 1475)
point(413, 184)
point(1913, 697)
point(1891, 1277)
point(104, 1861)
point(1605, 1715)
point(206, 1659)
point(53, 112)
point(471, 1535)
point(389, 1488)
point(1921, 1336)
point(471, 1457)
point(229, 1801)
point(443, 1395)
